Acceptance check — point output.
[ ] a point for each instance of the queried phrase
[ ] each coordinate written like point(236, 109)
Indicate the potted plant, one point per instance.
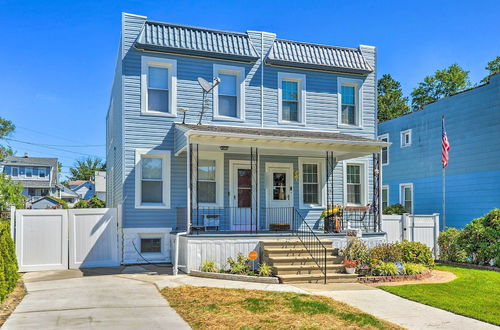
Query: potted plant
point(350, 266)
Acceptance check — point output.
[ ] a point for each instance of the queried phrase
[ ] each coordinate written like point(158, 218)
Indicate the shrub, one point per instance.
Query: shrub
point(416, 252)
point(387, 252)
point(449, 246)
point(413, 269)
point(93, 203)
point(265, 269)
point(394, 209)
point(63, 203)
point(238, 266)
point(356, 250)
point(208, 266)
point(8, 262)
point(385, 269)
point(481, 238)
point(350, 263)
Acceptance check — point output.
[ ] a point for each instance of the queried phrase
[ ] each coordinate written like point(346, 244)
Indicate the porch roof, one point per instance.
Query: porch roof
point(346, 145)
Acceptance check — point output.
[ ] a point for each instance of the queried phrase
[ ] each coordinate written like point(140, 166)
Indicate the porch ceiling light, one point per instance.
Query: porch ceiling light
point(223, 148)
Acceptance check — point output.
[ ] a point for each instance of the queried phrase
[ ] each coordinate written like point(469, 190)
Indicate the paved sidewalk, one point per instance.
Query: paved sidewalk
point(69, 300)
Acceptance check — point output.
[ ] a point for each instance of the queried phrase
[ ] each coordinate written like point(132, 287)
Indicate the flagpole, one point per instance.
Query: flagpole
point(444, 180)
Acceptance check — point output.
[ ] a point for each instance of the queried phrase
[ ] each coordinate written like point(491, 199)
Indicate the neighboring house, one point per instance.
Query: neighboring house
point(39, 176)
point(83, 188)
point(412, 171)
point(289, 131)
point(46, 202)
point(100, 185)
point(68, 195)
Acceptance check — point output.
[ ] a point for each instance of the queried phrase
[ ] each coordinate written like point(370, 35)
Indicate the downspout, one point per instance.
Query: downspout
point(175, 270)
point(262, 79)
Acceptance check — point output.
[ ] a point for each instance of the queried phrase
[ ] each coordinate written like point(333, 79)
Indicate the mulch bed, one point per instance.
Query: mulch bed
point(11, 301)
point(468, 265)
point(395, 278)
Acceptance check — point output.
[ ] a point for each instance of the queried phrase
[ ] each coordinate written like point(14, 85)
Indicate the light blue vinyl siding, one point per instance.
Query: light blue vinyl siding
point(473, 174)
point(132, 130)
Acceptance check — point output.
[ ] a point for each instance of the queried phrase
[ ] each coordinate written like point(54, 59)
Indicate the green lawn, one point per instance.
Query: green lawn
point(475, 293)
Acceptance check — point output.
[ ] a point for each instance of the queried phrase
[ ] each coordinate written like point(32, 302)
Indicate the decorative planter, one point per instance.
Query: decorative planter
point(279, 227)
point(234, 277)
point(350, 270)
point(394, 278)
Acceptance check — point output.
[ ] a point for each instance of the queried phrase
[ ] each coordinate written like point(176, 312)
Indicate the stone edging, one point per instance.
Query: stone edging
point(394, 278)
point(234, 277)
point(468, 265)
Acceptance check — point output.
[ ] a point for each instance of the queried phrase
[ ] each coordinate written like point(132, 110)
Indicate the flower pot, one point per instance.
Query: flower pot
point(350, 270)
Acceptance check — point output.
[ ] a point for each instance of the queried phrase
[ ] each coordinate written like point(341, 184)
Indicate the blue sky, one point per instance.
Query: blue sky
point(57, 57)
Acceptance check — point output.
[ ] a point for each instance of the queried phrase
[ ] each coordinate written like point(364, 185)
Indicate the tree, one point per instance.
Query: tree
point(493, 67)
point(443, 83)
point(93, 203)
point(390, 100)
point(6, 128)
point(84, 169)
point(11, 193)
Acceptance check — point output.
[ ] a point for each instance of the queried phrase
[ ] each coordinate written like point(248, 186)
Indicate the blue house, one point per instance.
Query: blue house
point(287, 131)
point(412, 171)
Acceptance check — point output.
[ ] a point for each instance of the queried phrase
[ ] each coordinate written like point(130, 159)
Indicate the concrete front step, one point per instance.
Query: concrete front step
point(294, 251)
point(319, 278)
point(291, 243)
point(305, 259)
point(287, 269)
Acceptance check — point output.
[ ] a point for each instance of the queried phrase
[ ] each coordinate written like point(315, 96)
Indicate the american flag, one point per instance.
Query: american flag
point(445, 146)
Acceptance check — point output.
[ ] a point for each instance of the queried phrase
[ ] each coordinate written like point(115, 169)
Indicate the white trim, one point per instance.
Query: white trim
point(166, 179)
point(231, 192)
point(239, 72)
point(364, 181)
point(219, 177)
point(301, 80)
point(380, 137)
point(268, 182)
point(401, 138)
point(385, 186)
point(401, 199)
point(358, 85)
point(322, 182)
point(171, 65)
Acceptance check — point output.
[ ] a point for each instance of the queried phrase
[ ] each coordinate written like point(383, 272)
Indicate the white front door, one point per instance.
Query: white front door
point(241, 195)
point(279, 193)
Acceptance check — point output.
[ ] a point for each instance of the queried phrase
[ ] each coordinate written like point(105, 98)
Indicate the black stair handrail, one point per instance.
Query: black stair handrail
point(310, 241)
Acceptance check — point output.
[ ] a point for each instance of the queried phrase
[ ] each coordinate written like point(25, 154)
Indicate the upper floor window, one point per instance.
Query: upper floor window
point(29, 172)
point(14, 171)
point(355, 183)
point(229, 95)
point(158, 86)
point(349, 95)
point(291, 98)
point(406, 138)
point(152, 178)
point(385, 150)
point(42, 172)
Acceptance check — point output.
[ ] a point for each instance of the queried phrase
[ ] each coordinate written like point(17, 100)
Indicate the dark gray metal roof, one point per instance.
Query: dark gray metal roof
point(315, 56)
point(283, 133)
point(191, 40)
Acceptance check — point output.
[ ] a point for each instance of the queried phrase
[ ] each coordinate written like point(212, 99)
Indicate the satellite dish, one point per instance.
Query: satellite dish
point(205, 85)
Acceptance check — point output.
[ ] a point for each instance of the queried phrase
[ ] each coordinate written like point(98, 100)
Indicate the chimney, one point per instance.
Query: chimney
point(26, 155)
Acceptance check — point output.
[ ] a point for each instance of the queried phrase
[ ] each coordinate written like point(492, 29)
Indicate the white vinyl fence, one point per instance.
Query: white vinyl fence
point(413, 227)
point(62, 239)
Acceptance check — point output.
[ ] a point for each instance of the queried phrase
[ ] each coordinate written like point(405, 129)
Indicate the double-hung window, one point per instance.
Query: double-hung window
point(355, 183)
point(15, 171)
point(349, 100)
point(29, 172)
point(210, 178)
point(406, 138)
point(158, 86)
point(385, 196)
point(152, 173)
point(42, 173)
point(229, 95)
point(385, 150)
point(406, 196)
point(311, 182)
point(291, 97)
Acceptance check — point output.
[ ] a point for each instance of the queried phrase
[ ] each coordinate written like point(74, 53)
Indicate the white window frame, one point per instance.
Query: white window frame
point(300, 79)
point(166, 177)
point(44, 170)
point(358, 90)
point(401, 198)
point(402, 138)
point(364, 181)
point(219, 177)
point(12, 171)
point(171, 65)
point(321, 182)
point(380, 137)
point(386, 187)
point(239, 72)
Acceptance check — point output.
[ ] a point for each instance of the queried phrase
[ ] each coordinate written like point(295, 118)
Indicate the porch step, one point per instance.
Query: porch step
point(303, 259)
point(318, 278)
point(295, 250)
point(312, 268)
point(291, 243)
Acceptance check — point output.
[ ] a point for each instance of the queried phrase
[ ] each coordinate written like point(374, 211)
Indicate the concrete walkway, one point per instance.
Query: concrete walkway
point(70, 300)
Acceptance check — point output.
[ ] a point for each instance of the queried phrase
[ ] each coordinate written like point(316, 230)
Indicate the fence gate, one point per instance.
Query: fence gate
point(62, 239)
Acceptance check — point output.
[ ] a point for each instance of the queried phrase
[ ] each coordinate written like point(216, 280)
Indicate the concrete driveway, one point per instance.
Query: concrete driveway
point(71, 300)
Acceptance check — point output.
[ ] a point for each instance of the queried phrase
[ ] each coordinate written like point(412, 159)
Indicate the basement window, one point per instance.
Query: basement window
point(151, 245)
